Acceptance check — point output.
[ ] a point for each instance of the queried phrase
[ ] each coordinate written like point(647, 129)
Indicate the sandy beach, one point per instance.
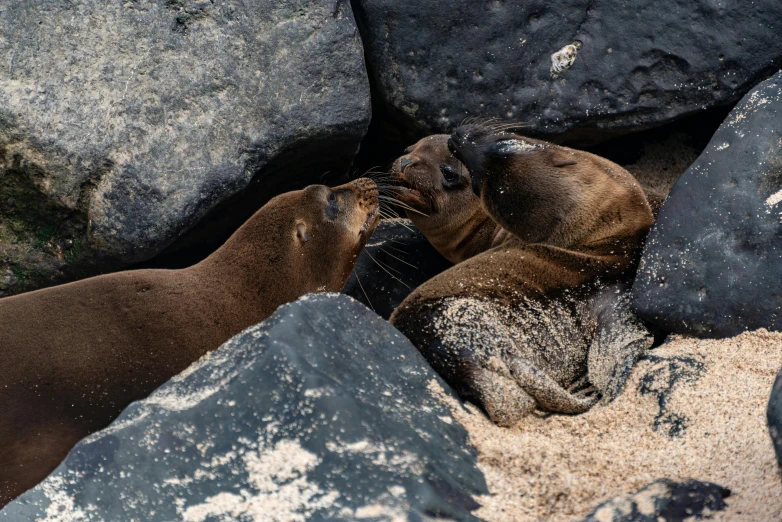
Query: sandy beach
point(692, 409)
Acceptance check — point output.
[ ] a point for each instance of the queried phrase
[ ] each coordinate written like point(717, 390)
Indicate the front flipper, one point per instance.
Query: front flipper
point(620, 339)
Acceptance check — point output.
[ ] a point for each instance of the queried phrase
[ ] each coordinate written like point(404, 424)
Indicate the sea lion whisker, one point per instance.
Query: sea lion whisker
point(405, 226)
point(393, 188)
point(405, 207)
point(362, 290)
point(386, 271)
point(398, 241)
point(400, 260)
point(397, 249)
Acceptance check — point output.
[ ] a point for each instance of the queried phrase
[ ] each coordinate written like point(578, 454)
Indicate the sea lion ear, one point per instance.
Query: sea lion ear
point(301, 232)
point(560, 158)
point(511, 147)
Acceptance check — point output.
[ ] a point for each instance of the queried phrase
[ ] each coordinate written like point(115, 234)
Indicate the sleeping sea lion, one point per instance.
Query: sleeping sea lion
point(74, 356)
point(535, 313)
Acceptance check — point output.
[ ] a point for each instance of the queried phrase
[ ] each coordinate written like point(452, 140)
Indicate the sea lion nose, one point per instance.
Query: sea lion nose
point(404, 163)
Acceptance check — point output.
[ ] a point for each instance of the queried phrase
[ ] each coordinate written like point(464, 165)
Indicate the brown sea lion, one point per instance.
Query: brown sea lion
point(545, 238)
point(74, 356)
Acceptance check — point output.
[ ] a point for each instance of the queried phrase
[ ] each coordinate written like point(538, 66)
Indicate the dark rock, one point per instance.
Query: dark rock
point(435, 62)
point(664, 500)
point(396, 260)
point(774, 416)
point(322, 412)
point(123, 123)
point(712, 265)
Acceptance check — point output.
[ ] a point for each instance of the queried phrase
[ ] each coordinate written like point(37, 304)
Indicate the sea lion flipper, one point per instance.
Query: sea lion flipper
point(548, 394)
point(620, 339)
point(503, 400)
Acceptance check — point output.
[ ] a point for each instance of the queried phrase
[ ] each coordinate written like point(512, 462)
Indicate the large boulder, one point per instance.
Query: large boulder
point(619, 67)
point(396, 260)
point(774, 417)
point(664, 500)
point(322, 412)
point(123, 123)
point(712, 265)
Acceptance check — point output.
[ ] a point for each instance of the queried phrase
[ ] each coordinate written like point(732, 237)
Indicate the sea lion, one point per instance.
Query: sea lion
point(546, 239)
point(74, 356)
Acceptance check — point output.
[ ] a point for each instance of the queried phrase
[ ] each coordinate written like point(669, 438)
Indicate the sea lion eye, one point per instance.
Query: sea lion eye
point(449, 174)
point(332, 209)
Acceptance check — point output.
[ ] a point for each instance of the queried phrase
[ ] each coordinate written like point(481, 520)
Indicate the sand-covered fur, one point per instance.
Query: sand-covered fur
point(692, 409)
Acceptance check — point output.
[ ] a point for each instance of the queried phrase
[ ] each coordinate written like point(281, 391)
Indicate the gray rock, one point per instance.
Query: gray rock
point(122, 123)
point(397, 259)
point(712, 265)
point(774, 417)
point(322, 412)
point(664, 500)
point(438, 61)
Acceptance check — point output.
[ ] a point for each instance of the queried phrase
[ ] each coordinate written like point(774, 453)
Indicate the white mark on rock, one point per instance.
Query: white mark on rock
point(563, 59)
point(774, 198)
point(723, 146)
point(62, 507)
point(283, 491)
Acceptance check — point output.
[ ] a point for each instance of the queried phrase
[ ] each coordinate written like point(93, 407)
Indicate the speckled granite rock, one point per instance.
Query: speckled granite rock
point(322, 412)
point(664, 501)
point(712, 265)
point(397, 259)
point(438, 61)
point(122, 123)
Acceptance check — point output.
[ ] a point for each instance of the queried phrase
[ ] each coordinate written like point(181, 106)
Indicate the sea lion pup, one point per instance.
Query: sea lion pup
point(535, 313)
point(74, 356)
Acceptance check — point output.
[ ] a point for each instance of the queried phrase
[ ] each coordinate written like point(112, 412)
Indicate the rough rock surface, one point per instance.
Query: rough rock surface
point(122, 123)
point(435, 62)
point(322, 412)
point(774, 417)
point(397, 259)
point(712, 265)
point(663, 500)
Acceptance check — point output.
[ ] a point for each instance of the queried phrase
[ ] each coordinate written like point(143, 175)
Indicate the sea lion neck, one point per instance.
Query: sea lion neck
point(240, 268)
point(464, 236)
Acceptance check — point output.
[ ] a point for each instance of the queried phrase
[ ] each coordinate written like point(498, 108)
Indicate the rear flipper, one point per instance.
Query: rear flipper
point(546, 392)
point(503, 400)
point(620, 339)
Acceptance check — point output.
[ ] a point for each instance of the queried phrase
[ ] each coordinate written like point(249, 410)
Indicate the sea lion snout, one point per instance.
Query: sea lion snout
point(361, 205)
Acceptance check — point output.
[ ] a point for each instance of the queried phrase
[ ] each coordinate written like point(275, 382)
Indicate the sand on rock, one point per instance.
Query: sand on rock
point(691, 409)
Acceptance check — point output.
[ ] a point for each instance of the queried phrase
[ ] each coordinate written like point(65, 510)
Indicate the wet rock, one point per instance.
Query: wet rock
point(712, 265)
point(588, 69)
point(322, 412)
point(396, 260)
point(664, 500)
point(123, 123)
point(774, 416)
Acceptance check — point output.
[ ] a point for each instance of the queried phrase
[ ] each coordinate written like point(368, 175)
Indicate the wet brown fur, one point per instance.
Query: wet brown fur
point(548, 220)
point(74, 356)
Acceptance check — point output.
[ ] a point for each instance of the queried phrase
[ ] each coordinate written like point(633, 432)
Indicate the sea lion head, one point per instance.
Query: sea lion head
point(310, 238)
point(481, 146)
point(332, 226)
point(436, 188)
